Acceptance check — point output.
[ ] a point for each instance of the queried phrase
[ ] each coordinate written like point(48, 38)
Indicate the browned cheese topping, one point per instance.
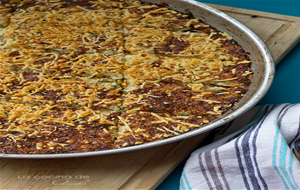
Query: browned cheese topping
point(91, 75)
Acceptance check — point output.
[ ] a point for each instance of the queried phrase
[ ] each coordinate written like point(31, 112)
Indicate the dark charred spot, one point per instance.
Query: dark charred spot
point(31, 77)
point(83, 49)
point(14, 54)
point(173, 45)
point(74, 3)
point(101, 40)
point(235, 49)
point(156, 64)
point(51, 95)
point(41, 62)
point(217, 36)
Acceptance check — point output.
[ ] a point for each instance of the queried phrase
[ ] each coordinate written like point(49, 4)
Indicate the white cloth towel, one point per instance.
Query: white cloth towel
point(258, 150)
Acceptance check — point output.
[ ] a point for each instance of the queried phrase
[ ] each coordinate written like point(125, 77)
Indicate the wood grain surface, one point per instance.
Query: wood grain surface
point(280, 32)
point(143, 169)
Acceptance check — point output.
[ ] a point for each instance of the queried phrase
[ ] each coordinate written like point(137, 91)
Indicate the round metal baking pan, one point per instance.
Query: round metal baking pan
point(263, 67)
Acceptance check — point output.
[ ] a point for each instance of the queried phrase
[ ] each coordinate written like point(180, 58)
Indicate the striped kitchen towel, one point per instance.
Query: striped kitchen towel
point(258, 150)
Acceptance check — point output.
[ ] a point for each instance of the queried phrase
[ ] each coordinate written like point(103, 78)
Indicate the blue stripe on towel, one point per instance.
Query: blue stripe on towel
point(247, 157)
point(291, 168)
point(282, 161)
point(276, 137)
point(246, 145)
point(283, 153)
point(185, 181)
point(254, 157)
point(238, 154)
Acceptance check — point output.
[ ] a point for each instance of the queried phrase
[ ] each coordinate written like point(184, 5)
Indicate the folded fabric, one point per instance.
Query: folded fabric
point(258, 150)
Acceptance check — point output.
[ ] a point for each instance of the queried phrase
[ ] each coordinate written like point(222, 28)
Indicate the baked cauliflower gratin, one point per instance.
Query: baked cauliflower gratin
point(92, 75)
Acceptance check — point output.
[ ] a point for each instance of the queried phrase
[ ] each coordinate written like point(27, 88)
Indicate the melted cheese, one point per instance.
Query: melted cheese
point(115, 73)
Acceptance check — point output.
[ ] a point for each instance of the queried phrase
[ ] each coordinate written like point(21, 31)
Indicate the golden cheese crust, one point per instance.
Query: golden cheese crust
point(39, 88)
point(38, 129)
point(91, 75)
point(103, 67)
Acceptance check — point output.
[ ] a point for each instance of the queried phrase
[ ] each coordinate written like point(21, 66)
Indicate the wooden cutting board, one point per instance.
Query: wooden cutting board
point(143, 169)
